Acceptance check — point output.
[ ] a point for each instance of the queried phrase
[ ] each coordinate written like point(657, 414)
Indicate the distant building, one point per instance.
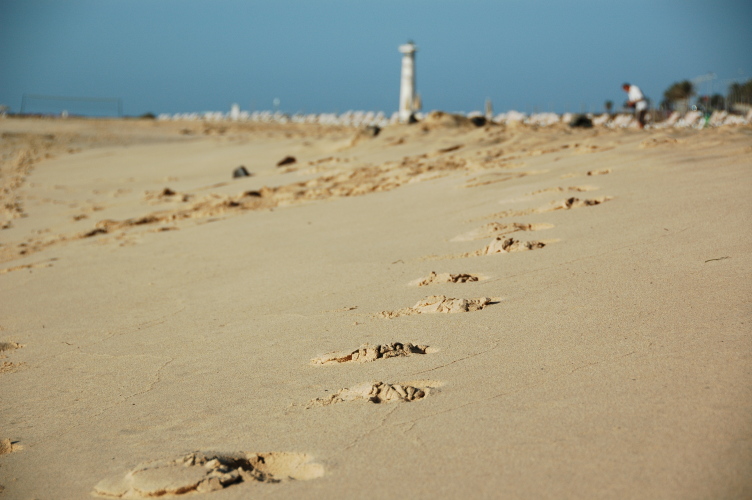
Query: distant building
point(235, 112)
point(408, 101)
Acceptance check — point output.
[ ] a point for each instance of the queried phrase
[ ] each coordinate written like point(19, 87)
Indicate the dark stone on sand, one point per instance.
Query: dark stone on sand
point(240, 172)
point(478, 121)
point(581, 121)
point(95, 232)
point(252, 193)
point(287, 160)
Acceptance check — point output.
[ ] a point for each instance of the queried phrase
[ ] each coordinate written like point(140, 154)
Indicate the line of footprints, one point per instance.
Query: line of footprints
point(200, 471)
point(382, 392)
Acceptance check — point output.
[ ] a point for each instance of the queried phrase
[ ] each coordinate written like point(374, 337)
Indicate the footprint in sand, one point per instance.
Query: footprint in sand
point(600, 172)
point(379, 392)
point(579, 189)
point(9, 346)
point(484, 181)
point(513, 213)
point(368, 353)
point(501, 244)
point(576, 203)
point(209, 206)
point(658, 141)
point(435, 278)
point(7, 366)
point(493, 229)
point(166, 195)
point(555, 205)
point(8, 446)
point(440, 304)
point(43, 264)
point(201, 472)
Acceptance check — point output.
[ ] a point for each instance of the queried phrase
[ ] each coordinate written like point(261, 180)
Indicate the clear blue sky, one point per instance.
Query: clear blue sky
point(334, 55)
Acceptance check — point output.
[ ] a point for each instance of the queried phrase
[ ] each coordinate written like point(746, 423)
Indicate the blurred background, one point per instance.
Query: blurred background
point(298, 56)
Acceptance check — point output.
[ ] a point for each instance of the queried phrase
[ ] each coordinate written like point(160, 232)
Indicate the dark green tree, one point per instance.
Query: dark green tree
point(679, 91)
point(740, 93)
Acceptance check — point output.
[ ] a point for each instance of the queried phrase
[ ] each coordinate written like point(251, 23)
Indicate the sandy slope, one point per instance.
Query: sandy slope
point(151, 306)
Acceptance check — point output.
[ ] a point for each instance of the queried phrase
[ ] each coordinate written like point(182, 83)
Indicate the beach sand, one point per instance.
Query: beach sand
point(440, 311)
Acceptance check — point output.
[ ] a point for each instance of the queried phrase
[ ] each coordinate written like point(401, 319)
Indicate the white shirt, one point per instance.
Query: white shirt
point(635, 95)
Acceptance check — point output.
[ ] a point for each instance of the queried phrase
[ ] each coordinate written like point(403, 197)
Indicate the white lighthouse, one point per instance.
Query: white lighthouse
point(407, 83)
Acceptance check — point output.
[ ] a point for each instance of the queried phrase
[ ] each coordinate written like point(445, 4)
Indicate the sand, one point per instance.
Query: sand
point(440, 311)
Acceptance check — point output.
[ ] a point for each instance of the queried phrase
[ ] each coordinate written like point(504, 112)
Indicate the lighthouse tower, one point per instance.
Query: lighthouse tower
point(407, 83)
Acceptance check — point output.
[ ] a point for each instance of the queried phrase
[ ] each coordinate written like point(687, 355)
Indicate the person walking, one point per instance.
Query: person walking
point(636, 100)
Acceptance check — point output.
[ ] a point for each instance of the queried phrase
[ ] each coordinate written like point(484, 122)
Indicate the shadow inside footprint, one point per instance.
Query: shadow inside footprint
point(509, 245)
point(435, 278)
point(9, 346)
point(576, 203)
